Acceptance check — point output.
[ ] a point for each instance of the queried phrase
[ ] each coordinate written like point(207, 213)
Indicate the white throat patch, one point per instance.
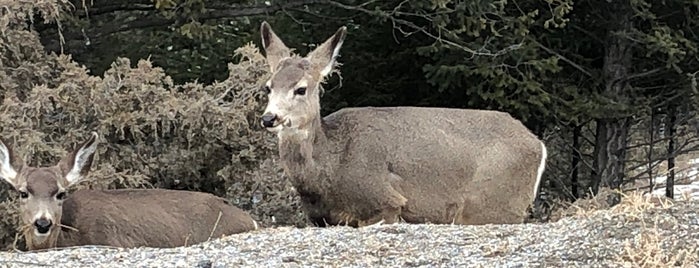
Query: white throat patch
point(293, 134)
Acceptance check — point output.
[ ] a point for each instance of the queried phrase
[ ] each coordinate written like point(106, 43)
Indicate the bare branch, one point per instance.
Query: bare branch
point(563, 58)
point(400, 22)
point(153, 20)
point(682, 149)
point(646, 73)
point(146, 16)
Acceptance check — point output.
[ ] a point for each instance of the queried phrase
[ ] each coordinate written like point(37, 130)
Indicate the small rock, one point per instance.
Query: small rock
point(205, 264)
point(288, 259)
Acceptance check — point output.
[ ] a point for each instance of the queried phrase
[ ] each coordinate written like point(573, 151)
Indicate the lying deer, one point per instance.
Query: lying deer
point(362, 166)
point(119, 218)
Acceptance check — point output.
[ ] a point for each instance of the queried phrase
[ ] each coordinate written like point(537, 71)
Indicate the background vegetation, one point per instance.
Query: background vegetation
point(172, 85)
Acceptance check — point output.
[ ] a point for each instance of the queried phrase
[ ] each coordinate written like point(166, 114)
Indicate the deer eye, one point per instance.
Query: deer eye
point(300, 91)
point(61, 196)
point(23, 195)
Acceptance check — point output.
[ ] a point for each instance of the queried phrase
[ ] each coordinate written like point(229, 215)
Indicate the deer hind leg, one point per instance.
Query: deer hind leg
point(503, 206)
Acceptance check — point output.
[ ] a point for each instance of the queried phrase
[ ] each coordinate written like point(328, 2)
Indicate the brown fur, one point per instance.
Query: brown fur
point(360, 166)
point(170, 219)
point(119, 218)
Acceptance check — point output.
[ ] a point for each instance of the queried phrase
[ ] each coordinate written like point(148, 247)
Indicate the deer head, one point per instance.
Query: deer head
point(293, 89)
point(43, 189)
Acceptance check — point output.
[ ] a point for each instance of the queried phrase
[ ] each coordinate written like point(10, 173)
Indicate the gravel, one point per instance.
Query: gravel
point(597, 239)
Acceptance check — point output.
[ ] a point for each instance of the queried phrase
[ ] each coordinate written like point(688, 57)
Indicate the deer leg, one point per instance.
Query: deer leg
point(387, 216)
point(480, 207)
point(367, 224)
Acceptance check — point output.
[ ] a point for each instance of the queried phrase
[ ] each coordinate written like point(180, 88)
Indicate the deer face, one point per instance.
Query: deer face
point(43, 189)
point(293, 96)
point(41, 198)
point(294, 86)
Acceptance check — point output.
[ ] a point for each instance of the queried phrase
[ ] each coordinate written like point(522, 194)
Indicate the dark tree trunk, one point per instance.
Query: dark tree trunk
point(651, 178)
point(575, 163)
point(612, 131)
point(670, 183)
point(610, 152)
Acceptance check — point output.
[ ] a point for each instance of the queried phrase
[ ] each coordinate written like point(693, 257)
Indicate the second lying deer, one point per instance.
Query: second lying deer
point(120, 218)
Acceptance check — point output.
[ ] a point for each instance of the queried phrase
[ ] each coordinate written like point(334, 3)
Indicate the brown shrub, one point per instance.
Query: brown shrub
point(583, 206)
point(631, 204)
point(154, 133)
point(647, 250)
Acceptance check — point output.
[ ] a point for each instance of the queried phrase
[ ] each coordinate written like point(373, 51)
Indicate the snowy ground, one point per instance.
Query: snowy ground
point(687, 188)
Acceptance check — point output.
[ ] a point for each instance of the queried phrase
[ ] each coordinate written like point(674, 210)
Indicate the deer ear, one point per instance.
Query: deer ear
point(7, 171)
point(76, 165)
point(275, 49)
point(323, 57)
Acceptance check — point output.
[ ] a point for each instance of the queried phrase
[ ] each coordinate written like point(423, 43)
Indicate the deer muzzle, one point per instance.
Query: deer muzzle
point(269, 120)
point(43, 225)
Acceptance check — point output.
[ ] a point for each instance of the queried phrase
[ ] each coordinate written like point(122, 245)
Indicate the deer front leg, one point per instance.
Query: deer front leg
point(371, 195)
point(387, 216)
point(391, 205)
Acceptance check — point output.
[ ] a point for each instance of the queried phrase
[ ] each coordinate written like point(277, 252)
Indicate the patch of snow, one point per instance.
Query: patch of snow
point(660, 180)
point(689, 190)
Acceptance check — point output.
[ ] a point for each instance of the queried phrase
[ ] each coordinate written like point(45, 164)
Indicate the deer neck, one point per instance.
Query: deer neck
point(305, 155)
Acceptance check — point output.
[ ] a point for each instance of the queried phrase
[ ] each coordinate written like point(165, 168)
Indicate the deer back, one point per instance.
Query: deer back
point(149, 218)
point(444, 162)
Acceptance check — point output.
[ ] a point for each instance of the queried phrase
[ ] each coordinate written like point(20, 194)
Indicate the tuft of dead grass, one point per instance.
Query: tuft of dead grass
point(582, 206)
point(649, 248)
point(632, 203)
point(635, 203)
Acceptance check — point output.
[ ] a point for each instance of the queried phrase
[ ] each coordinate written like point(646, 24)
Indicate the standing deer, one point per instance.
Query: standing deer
point(363, 166)
point(119, 218)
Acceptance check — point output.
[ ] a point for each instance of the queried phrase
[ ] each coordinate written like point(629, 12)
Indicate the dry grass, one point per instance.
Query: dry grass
point(635, 203)
point(648, 247)
point(646, 250)
point(631, 203)
point(583, 206)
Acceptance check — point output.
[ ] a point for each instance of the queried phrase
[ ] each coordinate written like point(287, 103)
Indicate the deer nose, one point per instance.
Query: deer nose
point(268, 120)
point(43, 225)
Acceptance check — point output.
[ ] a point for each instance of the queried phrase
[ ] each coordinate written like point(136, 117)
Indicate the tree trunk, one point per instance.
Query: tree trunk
point(651, 178)
point(575, 162)
point(610, 152)
point(670, 182)
point(612, 130)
